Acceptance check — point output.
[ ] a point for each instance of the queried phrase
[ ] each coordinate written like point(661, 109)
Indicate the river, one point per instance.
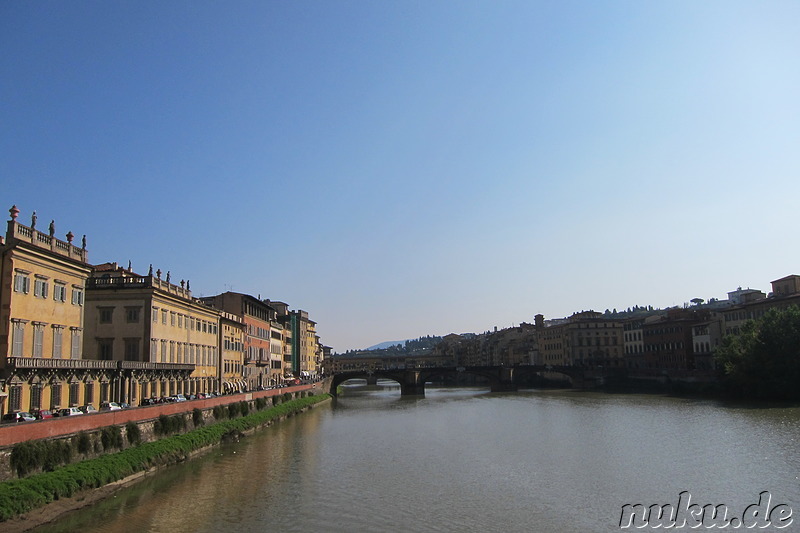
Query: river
point(464, 459)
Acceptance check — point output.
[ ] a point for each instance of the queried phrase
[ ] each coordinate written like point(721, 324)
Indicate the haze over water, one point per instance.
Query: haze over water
point(467, 460)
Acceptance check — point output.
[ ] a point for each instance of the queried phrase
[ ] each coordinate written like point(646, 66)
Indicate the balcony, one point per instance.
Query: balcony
point(77, 364)
point(90, 364)
point(140, 365)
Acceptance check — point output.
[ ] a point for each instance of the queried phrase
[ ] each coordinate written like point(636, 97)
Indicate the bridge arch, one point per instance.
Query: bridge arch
point(342, 377)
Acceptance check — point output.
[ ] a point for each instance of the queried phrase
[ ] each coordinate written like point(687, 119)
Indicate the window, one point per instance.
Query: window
point(164, 316)
point(38, 339)
point(180, 321)
point(77, 295)
point(132, 314)
point(14, 398)
point(59, 292)
point(18, 337)
point(74, 390)
point(105, 349)
point(55, 395)
point(88, 393)
point(40, 287)
point(172, 318)
point(75, 343)
point(155, 314)
point(106, 314)
point(58, 335)
point(36, 397)
point(131, 349)
point(22, 283)
point(153, 350)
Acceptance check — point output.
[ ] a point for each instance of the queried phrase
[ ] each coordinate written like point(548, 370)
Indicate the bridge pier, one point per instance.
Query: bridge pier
point(503, 386)
point(504, 381)
point(412, 384)
point(412, 389)
point(372, 379)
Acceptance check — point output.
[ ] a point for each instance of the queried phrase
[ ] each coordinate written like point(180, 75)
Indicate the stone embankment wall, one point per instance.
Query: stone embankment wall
point(143, 417)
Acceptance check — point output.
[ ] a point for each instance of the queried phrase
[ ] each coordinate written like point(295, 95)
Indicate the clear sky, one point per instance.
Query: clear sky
point(407, 168)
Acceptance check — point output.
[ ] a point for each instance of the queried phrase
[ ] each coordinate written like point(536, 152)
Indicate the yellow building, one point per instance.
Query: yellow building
point(311, 355)
point(166, 340)
point(585, 339)
point(283, 318)
point(232, 335)
point(42, 292)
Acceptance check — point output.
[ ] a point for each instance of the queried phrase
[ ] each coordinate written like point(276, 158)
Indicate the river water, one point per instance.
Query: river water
point(464, 459)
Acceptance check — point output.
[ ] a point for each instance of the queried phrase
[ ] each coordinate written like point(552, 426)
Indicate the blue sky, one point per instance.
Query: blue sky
point(407, 168)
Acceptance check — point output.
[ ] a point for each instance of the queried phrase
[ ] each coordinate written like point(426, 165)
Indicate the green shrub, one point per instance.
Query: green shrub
point(111, 437)
point(27, 457)
point(244, 408)
point(83, 443)
point(167, 425)
point(219, 412)
point(197, 417)
point(261, 403)
point(24, 458)
point(133, 433)
point(287, 396)
point(233, 410)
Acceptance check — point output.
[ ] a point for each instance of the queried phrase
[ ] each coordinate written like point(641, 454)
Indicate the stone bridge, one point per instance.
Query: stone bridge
point(412, 380)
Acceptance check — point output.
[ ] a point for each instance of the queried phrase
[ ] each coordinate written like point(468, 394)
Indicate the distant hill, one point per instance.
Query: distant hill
point(384, 345)
point(418, 346)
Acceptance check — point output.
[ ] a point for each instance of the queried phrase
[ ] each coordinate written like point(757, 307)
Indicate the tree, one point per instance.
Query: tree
point(763, 360)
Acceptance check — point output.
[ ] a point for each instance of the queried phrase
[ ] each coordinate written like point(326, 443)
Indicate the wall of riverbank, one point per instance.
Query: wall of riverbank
point(65, 429)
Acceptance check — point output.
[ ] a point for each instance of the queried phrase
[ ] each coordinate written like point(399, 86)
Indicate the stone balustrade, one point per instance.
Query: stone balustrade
point(24, 233)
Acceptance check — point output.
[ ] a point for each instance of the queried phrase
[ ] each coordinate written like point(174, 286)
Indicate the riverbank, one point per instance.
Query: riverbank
point(30, 502)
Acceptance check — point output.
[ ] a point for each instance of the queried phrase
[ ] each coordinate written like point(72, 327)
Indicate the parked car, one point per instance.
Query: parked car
point(180, 398)
point(20, 416)
point(88, 409)
point(69, 411)
point(42, 414)
point(124, 405)
point(110, 406)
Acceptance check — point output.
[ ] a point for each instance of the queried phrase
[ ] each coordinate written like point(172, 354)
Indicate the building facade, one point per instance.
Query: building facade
point(232, 335)
point(256, 316)
point(42, 292)
point(306, 350)
point(166, 340)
